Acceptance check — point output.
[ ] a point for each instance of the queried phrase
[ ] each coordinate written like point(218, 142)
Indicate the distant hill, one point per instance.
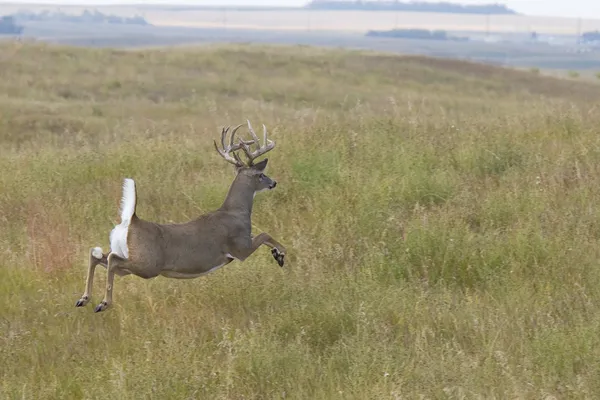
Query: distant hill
point(417, 34)
point(441, 7)
point(591, 37)
point(85, 17)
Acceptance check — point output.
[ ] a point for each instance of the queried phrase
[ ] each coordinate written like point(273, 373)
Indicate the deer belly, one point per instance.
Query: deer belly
point(192, 274)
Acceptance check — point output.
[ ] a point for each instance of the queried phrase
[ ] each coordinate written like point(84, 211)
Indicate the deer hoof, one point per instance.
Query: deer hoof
point(82, 301)
point(101, 307)
point(278, 256)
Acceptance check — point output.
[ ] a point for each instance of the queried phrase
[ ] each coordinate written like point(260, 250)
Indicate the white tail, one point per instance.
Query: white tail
point(128, 200)
point(118, 236)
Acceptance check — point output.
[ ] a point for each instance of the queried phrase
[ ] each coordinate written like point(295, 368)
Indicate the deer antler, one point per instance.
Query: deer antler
point(267, 145)
point(228, 149)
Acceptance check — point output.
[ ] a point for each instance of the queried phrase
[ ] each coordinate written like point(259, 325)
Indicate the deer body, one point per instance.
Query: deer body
point(191, 249)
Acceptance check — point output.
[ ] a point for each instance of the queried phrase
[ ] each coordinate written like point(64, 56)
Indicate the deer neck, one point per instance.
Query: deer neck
point(240, 196)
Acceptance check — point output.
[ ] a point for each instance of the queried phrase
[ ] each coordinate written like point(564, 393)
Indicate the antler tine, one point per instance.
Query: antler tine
point(238, 159)
point(253, 133)
point(232, 139)
point(262, 149)
point(265, 134)
point(267, 141)
point(224, 135)
point(225, 154)
point(246, 150)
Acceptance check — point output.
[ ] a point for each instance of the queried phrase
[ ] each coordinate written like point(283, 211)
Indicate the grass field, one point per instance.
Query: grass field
point(440, 217)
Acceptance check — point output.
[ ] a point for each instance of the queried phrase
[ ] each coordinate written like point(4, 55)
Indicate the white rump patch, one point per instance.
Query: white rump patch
point(97, 253)
point(118, 236)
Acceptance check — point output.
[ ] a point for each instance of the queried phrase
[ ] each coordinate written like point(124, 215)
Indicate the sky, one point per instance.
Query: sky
point(559, 8)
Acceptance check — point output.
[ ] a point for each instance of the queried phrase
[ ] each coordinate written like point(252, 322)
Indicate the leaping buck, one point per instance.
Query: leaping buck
point(195, 248)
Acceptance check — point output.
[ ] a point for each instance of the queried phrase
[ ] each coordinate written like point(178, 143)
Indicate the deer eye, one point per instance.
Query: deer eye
point(261, 177)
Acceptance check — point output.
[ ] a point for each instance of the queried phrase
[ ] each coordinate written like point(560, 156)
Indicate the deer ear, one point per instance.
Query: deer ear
point(260, 166)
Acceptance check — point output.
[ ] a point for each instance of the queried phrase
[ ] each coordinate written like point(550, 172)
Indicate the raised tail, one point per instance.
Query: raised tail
point(128, 201)
point(118, 236)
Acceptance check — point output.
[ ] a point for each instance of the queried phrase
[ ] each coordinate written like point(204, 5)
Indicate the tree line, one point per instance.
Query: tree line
point(441, 7)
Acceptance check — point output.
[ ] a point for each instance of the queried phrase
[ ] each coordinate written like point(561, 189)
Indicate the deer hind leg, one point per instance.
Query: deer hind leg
point(277, 249)
point(115, 265)
point(96, 258)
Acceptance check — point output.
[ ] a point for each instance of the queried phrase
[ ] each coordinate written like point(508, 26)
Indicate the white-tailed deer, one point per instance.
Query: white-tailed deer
point(195, 248)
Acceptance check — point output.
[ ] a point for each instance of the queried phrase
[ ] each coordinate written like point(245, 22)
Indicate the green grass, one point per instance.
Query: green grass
point(440, 217)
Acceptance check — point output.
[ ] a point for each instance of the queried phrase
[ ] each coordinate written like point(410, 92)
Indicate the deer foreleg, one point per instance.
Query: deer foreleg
point(277, 249)
point(96, 257)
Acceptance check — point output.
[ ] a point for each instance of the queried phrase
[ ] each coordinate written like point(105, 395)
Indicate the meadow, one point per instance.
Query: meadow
point(441, 220)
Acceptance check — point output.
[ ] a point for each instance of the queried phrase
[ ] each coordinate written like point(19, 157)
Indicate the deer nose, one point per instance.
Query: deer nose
point(273, 184)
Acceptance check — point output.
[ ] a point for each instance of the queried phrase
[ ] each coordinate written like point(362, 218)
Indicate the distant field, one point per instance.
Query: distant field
point(345, 29)
point(522, 55)
point(352, 21)
point(364, 20)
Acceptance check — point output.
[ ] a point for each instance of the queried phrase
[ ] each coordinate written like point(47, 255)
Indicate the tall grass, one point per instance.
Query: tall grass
point(441, 221)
